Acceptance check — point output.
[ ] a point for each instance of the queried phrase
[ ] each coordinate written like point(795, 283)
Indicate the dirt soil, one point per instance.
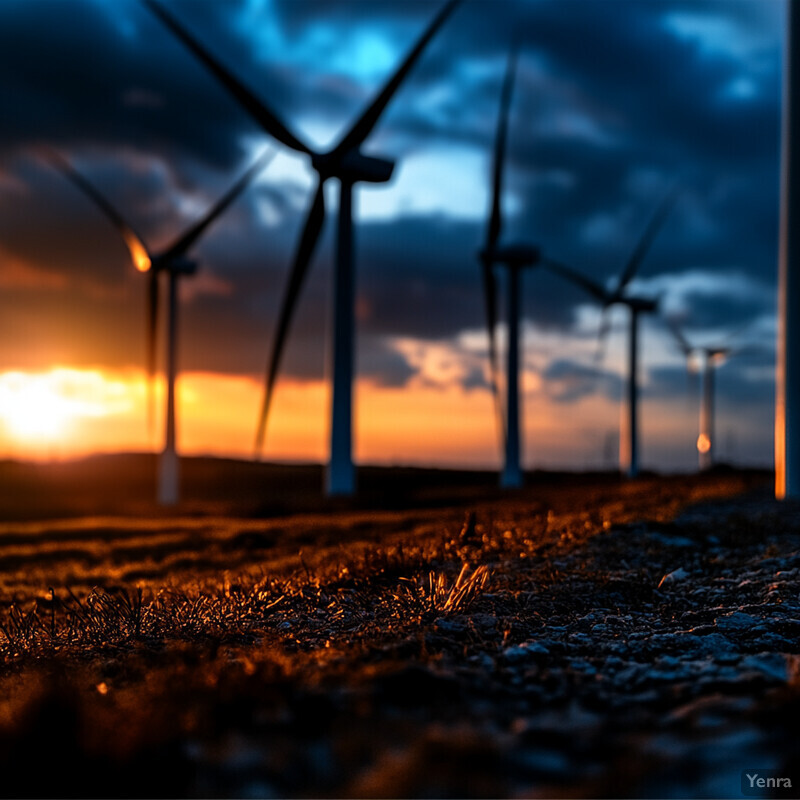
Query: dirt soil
point(584, 637)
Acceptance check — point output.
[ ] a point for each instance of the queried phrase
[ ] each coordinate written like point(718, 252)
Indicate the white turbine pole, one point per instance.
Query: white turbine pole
point(168, 463)
point(629, 447)
point(787, 379)
point(705, 441)
point(340, 479)
point(512, 474)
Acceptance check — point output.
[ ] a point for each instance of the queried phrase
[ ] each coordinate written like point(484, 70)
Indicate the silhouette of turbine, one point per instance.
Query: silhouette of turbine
point(514, 258)
point(173, 261)
point(787, 374)
point(629, 447)
point(711, 359)
point(347, 163)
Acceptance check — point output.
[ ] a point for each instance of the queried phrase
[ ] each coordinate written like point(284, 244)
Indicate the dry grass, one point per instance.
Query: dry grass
point(219, 653)
point(436, 594)
point(234, 611)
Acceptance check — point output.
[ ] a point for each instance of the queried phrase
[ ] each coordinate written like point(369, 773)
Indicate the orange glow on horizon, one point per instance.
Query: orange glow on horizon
point(32, 410)
point(44, 414)
point(65, 413)
point(703, 443)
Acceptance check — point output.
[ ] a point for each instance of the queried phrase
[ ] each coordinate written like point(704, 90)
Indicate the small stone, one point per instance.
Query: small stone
point(676, 575)
point(727, 658)
point(736, 622)
point(524, 652)
point(485, 623)
point(772, 665)
point(543, 762)
point(453, 625)
point(715, 644)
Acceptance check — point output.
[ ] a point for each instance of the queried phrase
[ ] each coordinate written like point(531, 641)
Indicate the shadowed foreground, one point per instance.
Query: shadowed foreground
point(583, 637)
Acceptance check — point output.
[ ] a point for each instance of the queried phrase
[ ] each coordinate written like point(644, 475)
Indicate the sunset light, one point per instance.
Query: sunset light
point(432, 420)
point(49, 407)
point(32, 408)
point(138, 253)
point(703, 443)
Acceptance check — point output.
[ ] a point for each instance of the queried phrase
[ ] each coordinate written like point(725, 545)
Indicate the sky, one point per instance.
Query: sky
point(614, 103)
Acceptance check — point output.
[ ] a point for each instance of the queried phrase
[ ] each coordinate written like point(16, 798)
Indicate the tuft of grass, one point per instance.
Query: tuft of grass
point(436, 595)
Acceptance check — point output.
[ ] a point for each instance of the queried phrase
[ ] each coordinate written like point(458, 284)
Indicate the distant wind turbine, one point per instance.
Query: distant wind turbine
point(515, 258)
point(173, 261)
point(347, 163)
point(629, 447)
point(711, 359)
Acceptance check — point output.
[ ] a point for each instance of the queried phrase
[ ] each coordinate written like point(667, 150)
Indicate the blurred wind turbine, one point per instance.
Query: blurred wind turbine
point(173, 261)
point(515, 258)
point(347, 163)
point(629, 447)
point(710, 359)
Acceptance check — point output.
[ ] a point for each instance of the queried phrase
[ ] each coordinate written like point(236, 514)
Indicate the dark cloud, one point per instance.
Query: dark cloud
point(568, 381)
point(715, 312)
point(475, 378)
point(745, 386)
point(381, 363)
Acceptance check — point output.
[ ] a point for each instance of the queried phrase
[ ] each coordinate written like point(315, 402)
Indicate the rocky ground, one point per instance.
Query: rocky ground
point(589, 640)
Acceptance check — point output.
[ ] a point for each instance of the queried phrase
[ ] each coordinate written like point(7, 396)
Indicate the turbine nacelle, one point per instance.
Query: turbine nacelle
point(352, 167)
point(515, 256)
point(640, 305)
point(178, 265)
point(717, 355)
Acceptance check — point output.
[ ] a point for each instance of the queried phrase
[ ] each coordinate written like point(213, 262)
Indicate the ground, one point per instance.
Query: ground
point(583, 637)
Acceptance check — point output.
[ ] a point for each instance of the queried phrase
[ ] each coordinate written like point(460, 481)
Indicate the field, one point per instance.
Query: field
point(584, 637)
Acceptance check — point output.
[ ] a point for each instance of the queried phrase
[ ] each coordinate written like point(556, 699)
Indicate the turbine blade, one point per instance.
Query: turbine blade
point(683, 343)
point(247, 99)
point(182, 245)
point(151, 340)
point(490, 300)
point(139, 253)
point(737, 332)
point(602, 335)
point(496, 217)
point(305, 249)
point(587, 284)
point(645, 243)
point(366, 122)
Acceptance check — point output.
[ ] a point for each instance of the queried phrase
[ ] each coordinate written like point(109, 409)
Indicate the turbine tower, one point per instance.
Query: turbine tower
point(173, 262)
point(629, 445)
point(787, 388)
point(514, 258)
point(349, 165)
point(711, 359)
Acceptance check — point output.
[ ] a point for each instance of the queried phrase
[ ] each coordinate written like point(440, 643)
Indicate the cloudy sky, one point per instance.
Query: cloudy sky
point(613, 103)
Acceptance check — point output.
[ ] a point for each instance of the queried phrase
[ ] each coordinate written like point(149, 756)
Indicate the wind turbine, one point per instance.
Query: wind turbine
point(629, 446)
point(787, 388)
point(172, 261)
point(514, 258)
point(711, 359)
point(347, 163)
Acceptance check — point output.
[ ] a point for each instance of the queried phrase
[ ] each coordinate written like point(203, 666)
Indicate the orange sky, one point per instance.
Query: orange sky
point(64, 413)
